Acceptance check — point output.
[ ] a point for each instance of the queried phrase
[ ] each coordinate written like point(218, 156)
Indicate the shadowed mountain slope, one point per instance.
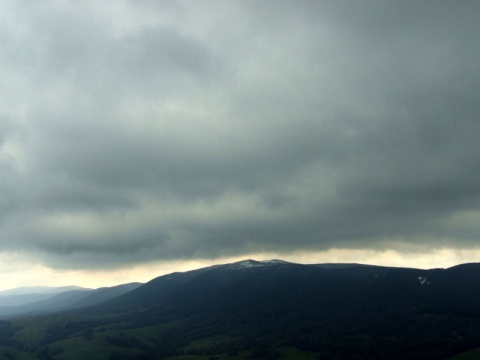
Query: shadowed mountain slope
point(333, 311)
point(317, 307)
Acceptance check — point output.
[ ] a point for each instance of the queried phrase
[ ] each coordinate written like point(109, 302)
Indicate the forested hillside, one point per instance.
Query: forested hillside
point(267, 310)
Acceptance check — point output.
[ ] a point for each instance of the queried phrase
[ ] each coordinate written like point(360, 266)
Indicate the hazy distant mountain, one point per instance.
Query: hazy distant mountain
point(27, 295)
point(101, 295)
point(57, 299)
point(264, 309)
point(38, 290)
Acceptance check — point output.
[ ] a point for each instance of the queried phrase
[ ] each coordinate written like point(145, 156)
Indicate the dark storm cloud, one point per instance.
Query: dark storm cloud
point(145, 130)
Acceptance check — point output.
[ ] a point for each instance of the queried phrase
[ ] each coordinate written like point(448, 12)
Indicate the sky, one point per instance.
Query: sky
point(142, 137)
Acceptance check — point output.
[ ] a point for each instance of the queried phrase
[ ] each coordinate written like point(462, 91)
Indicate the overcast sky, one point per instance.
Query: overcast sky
point(137, 134)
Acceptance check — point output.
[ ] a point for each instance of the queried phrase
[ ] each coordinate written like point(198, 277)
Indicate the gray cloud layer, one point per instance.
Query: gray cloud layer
point(140, 130)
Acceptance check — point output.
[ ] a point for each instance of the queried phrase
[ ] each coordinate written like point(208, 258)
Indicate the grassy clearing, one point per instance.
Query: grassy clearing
point(286, 354)
point(32, 330)
point(206, 343)
point(78, 348)
point(239, 356)
point(292, 353)
point(94, 345)
point(470, 355)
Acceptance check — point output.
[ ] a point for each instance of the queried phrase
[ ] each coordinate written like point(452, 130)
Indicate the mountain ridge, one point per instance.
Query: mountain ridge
point(257, 309)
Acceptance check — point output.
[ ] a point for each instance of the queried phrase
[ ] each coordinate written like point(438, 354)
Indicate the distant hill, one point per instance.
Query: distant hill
point(26, 295)
point(20, 303)
point(267, 310)
point(39, 290)
point(101, 295)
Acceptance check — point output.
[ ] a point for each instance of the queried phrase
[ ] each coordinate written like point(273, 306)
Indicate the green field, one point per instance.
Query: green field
point(34, 338)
